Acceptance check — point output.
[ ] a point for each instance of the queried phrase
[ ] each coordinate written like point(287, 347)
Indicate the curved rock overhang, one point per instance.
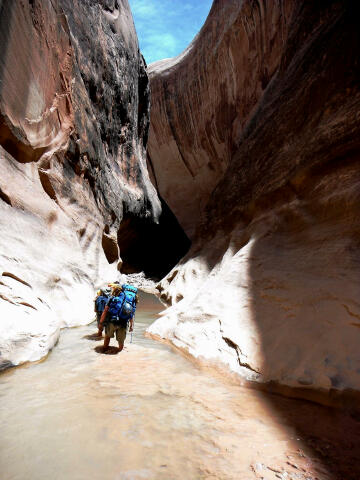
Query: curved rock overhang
point(254, 142)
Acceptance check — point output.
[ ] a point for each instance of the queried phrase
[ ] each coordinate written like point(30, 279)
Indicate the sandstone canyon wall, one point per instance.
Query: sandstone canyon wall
point(74, 117)
point(254, 144)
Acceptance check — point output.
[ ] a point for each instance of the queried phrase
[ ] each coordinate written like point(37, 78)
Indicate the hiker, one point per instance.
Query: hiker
point(119, 310)
point(114, 285)
point(100, 303)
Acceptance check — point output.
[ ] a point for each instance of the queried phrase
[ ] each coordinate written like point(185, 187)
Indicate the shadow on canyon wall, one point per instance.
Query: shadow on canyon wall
point(151, 248)
point(295, 302)
point(294, 184)
point(304, 266)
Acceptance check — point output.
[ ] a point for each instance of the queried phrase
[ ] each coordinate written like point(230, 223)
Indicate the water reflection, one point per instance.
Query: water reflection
point(146, 413)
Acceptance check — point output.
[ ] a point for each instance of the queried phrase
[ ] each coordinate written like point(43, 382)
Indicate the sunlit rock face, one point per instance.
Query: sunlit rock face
point(269, 97)
point(74, 116)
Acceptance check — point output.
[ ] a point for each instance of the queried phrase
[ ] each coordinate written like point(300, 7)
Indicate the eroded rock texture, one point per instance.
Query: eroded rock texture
point(74, 117)
point(259, 119)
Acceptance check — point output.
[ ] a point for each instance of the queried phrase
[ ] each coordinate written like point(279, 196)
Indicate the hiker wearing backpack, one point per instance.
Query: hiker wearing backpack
point(118, 312)
point(100, 303)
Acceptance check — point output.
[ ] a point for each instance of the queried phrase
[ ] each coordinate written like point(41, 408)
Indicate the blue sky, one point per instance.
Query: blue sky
point(166, 27)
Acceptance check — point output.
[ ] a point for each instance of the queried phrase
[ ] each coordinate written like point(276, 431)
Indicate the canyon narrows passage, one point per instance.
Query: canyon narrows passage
point(229, 178)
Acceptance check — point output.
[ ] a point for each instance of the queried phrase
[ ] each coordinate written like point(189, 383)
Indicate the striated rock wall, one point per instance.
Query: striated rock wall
point(271, 285)
point(202, 100)
point(74, 117)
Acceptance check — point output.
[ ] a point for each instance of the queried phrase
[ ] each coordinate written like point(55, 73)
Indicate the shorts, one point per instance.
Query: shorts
point(98, 316)
point(111, 329)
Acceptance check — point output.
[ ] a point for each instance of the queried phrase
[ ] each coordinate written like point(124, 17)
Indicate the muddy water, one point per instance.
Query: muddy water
point(149, 413)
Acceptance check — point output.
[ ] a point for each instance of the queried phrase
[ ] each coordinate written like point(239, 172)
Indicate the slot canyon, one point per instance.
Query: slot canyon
point(224, 181)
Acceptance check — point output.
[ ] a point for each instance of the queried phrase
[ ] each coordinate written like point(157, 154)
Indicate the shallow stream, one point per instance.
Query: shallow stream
point(150, 413)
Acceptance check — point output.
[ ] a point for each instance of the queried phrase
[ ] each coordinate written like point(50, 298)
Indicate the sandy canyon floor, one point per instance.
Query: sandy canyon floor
point(149, 413)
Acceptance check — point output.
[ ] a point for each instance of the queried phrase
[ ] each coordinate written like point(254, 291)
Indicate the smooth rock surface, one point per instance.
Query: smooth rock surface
point(74, 116)
point(269, 97)
point(202, 100)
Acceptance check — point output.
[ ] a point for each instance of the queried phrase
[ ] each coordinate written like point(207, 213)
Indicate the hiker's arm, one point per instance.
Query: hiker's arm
point(131, 328)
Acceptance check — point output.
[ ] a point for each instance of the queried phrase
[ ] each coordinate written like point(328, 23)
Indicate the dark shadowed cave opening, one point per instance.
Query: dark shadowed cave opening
point(150, 247)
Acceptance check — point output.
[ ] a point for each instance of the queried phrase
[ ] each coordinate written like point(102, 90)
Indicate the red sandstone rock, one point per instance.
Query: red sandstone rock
point(254, 143)
point(74, 114)
point(203, 99)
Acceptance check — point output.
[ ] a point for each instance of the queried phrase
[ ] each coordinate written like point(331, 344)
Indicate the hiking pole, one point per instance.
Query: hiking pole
point(133, 329)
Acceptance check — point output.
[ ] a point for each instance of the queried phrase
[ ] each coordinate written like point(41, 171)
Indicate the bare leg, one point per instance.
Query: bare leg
point(99, 325)
point(121, 346)
point(106, 342)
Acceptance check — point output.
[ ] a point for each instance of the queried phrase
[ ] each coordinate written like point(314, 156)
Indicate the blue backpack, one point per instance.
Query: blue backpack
point(100, 303)
point(122, 307)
